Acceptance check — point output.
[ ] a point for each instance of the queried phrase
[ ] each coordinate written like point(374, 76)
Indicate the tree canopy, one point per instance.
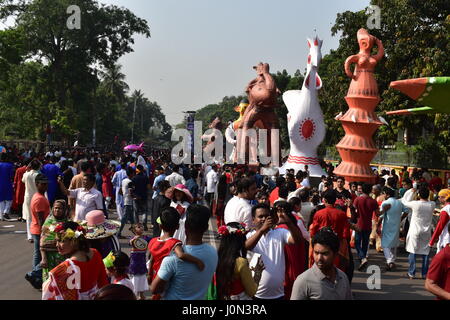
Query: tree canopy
point(69, 78)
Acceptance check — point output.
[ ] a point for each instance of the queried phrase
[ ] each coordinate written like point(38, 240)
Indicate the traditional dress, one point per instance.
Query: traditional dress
point(6, 187)
point(138, 269)
point(30, 189)
point(391, 223)
point(441, 234)
point(181, 208)
point(19, 188)
point(76, 280)
point(107, 187)
point(52, 172)
point(390, 231)
point(419, 234)
point(48, 244)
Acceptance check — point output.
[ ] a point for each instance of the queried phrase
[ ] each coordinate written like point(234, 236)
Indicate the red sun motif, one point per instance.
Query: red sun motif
point(307, 129)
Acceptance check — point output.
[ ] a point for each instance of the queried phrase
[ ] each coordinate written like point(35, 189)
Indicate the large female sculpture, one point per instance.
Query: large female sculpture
point(305, 119)
point(360, 122)
point(262, 95)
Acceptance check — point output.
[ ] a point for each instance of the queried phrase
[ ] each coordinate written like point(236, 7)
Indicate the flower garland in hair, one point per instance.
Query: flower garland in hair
point(227, 230)
point(68, 233)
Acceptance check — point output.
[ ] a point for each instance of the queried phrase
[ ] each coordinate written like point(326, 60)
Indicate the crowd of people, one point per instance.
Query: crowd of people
point(280, 236)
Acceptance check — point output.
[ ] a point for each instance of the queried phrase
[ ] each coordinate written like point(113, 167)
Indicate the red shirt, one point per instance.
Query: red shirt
point(93, 272)
point(90, 274)
point(439, 270)
point(365, 206)
point(159, 250)
point(39, 203)
point(331, 217)
point(436, 181)
point(229, 179)
point(19, 186)
point(295, 260)
point(273, 196)
point(444, 218)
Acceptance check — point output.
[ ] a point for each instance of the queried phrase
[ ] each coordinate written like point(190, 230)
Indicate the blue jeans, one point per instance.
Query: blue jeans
point(362, 243)
point(128, 215)
point(37, 270)
point(412, 264)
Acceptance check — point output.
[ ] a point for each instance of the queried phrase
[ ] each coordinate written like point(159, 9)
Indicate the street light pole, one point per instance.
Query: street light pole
point(94, 124)
point(134, 116)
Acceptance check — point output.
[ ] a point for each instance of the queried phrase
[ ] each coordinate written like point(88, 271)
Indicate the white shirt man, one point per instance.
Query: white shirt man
point(211, 181)
point(271, 248)
point(116, 180)
point(86, 201)
point(269, 243)
point(127, 197)
point(238, 210)
point(141, 161)
point(306, 183)
point(175, 178)
point(410, 195)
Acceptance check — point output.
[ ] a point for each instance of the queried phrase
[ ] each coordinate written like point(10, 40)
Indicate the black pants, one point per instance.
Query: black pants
point(140, 208)
point(351, 265)
point(209, 197)
point(128, 216)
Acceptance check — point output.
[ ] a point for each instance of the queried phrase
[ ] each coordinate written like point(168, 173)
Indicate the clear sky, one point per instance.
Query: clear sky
point(203, 50)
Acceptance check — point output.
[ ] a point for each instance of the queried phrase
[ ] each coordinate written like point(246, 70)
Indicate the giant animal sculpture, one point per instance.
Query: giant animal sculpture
point(262, 95)
point(305, 119)
point(432, 92)
point(210, 145)
point(230, 132)
point(357, 148)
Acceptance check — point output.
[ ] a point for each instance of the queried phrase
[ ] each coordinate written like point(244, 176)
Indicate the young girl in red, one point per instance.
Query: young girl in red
point(161, 247)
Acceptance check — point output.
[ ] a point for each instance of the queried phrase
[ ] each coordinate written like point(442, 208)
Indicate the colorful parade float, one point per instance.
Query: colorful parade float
point(432, 92)
point(260, 114)
point(360, 122)
point(306, 126)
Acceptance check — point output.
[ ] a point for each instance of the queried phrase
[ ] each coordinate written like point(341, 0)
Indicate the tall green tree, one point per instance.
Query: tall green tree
point(68, 58)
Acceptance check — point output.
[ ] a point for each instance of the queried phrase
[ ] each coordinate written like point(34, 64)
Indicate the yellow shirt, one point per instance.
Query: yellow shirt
point(242, 271)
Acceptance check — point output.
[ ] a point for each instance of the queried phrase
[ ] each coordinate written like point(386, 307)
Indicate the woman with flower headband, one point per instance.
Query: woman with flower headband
point(82, 274)
point(234, 279)
point(49, 252)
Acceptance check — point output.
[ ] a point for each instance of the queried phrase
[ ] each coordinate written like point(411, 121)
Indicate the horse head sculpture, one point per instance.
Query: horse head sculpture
point(306, 126)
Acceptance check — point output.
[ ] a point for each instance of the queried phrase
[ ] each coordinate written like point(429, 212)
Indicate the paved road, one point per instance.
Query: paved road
point(16, 258)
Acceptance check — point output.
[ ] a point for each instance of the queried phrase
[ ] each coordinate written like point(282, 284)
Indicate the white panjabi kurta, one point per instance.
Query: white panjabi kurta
point(180, 234)
point(29, 179)
point(419, 234)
